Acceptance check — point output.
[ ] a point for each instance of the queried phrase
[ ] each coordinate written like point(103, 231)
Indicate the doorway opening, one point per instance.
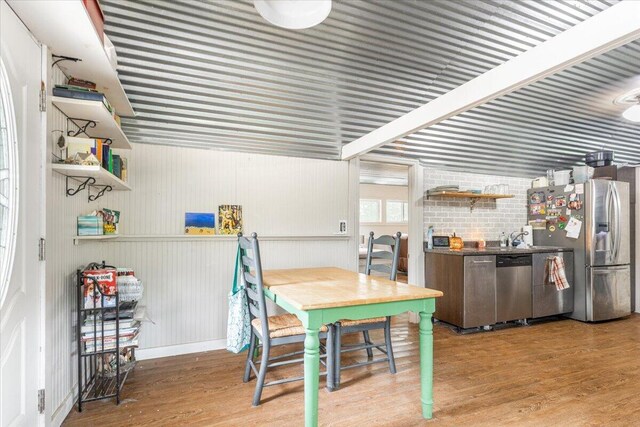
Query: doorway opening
point(384, 210)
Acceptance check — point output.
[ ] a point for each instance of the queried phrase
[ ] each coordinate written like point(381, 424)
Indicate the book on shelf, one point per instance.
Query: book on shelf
point(105, 279)
point(79, 92)
point(117, 166)
point(109, 325)
point(90, 338)
point(127, 311)
point(110, 344)
point(123, 168)
point(109, 329)
point(81, 83)
point(105, 156)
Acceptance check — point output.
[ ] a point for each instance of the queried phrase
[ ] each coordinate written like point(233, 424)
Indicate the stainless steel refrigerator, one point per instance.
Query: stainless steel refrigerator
point(602, 288)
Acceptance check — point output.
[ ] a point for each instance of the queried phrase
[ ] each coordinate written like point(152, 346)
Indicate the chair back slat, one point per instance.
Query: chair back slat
point(383, 268)
point(382, 255)
point(385, 240)
point(244, 242)
point(250, 278)
point(393, 255)
point(253, 295)
point(248, 262)
point(254, 310)
point(252, 275)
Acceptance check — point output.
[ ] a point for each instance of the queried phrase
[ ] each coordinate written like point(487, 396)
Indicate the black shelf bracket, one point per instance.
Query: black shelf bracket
point(82, 129)
point(105, 189)
point(60, 58)
point(84, 182)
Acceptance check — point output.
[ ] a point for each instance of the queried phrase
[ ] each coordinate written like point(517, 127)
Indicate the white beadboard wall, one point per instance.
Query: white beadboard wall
point(489, 217)
point(61, 262)
point(295, 204)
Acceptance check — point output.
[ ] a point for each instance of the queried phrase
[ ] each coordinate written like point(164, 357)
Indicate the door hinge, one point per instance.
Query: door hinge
point(43, 97)
point(42, 249)
point(41, 401)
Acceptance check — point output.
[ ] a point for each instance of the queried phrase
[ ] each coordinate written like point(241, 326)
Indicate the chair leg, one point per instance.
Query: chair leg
point(331, 355)
point(367, 340)
point(387, 340)
point(250, 355)
point(337, 346)
point(263, 371)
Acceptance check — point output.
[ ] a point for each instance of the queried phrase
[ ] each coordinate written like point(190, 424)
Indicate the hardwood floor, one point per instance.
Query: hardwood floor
point(561, 373)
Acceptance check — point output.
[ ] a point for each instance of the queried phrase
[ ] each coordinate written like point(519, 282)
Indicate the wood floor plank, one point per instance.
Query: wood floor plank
point(555, 373)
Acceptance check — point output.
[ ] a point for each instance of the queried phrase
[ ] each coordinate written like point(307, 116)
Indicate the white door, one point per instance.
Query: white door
point(21, 292)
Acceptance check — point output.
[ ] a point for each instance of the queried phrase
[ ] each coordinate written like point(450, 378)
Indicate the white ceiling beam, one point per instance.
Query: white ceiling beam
point(614, 27)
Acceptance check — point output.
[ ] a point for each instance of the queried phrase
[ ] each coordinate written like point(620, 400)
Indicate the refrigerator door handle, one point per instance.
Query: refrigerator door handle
point(618, 231)
point(608, 238)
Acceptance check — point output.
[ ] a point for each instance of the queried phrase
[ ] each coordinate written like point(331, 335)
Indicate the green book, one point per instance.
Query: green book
point(117, 166)
point(110, 161)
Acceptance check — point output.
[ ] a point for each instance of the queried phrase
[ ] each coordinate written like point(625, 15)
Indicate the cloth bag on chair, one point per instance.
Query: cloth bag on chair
point(238, 321)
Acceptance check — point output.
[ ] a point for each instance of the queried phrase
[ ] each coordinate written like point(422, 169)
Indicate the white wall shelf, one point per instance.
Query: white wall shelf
point(214, 238)
point(78, 239)
point(100, 174)
point(106, 125)
point(66, 28)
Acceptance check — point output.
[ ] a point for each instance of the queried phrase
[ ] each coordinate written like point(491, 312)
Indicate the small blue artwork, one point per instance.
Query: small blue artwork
point(199, 223)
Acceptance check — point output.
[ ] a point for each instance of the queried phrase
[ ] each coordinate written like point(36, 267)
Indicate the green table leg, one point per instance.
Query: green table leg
point(311, 377)
point(426, 364)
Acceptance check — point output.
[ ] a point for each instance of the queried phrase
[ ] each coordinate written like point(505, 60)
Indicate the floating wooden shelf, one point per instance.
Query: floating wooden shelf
point(100, 174)
point(473, 197)
point(66, 28)
point(106, 126)
point(467, 195)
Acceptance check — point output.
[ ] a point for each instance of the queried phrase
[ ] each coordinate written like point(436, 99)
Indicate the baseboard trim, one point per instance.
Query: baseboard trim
point(176, 350)
point(63, 410)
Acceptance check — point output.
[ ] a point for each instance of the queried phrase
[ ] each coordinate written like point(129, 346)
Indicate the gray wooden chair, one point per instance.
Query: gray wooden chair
point(365, 325)
point(271, 331)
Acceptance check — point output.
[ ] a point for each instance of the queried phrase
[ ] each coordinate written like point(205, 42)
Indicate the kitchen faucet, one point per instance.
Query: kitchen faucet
point(520, 234)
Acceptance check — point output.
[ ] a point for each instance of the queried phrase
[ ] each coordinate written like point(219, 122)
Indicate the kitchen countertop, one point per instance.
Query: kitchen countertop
point(497, 250)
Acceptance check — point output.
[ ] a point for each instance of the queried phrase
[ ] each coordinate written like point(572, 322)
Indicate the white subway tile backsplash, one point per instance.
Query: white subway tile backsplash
point(489, 217)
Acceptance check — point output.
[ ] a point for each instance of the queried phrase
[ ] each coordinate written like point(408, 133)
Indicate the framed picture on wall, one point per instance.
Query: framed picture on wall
point(199, 223)
point(230, 219)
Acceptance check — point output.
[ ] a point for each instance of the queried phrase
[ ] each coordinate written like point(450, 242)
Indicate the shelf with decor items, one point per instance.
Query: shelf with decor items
point(96, 119)
point(74, 32)
point(473, 197)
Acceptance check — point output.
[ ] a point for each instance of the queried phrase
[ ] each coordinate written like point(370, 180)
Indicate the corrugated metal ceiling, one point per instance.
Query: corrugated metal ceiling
point(216, 75)
point(383, 173)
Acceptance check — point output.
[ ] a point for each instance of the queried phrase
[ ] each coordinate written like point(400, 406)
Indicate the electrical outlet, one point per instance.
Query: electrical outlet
point(342, 227)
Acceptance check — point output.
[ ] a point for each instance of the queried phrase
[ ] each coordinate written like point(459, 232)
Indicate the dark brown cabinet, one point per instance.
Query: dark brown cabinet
point(477, 293)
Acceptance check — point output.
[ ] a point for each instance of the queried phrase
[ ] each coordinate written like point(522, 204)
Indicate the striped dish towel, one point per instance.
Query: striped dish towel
point(556, 273)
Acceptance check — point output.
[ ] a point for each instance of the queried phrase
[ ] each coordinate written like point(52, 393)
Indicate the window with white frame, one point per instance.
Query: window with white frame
point(370, 211)
point(397, 211)
point(8, 183)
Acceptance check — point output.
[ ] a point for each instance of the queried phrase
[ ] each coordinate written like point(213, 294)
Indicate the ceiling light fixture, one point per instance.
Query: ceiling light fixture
point(293, 14)
point(632, 113)
point(631, 98)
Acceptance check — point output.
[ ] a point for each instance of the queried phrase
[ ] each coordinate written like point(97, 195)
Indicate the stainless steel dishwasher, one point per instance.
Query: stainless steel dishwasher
point(513, 287)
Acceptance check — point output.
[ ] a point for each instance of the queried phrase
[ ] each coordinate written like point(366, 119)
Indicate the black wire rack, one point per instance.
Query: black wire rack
point(101, 374)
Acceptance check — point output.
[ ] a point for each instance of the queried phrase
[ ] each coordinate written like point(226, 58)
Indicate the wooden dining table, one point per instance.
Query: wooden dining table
point(326, 295)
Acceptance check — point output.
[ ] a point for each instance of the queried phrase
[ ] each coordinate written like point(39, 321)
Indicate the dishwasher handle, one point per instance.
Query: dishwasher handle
point(520, 260)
